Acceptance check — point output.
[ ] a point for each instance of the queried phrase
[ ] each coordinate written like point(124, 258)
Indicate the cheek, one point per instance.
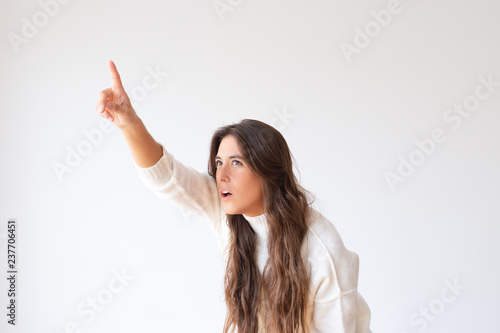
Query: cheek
point(254, 187)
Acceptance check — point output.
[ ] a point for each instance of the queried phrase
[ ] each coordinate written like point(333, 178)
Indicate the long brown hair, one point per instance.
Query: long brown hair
point(284, 283)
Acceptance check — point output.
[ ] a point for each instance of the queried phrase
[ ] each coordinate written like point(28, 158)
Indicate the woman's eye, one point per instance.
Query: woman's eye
point(217, 163)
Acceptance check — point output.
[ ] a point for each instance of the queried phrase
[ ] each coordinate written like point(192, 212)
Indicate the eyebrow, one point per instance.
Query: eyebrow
point(234, 156)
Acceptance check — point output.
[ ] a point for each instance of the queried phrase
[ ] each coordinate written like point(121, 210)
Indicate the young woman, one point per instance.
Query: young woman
point(287, 269)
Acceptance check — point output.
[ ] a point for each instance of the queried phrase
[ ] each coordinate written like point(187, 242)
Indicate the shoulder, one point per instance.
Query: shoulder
point(323, 231)
point(333, 268)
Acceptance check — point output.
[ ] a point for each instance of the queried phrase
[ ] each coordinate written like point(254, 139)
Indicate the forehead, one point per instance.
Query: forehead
point(228, 146)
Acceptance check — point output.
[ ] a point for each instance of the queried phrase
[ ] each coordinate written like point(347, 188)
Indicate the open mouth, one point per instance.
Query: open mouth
point(226, 194)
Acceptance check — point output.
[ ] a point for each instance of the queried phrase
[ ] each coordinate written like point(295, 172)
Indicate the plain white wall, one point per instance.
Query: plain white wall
point(352, 87)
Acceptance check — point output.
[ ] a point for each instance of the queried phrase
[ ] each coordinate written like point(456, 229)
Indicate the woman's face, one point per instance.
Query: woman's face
point(235, 176)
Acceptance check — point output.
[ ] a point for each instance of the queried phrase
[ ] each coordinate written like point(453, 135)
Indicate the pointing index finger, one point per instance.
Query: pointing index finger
point(115, 77)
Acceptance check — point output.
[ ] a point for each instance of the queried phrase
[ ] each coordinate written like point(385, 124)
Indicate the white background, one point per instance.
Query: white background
point(349, 120)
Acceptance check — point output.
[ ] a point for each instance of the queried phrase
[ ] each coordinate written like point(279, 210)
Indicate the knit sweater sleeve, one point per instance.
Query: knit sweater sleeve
point(348, 313)
point(344, 310)
point(189, 189)
point(338, 306)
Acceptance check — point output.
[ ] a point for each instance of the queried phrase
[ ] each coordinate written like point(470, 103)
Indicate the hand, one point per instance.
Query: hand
point(114, 102)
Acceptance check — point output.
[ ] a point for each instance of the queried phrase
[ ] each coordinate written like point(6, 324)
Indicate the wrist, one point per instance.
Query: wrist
point(136, 125)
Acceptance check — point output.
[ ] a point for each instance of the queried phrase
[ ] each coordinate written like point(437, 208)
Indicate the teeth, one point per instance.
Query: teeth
point(225, 192)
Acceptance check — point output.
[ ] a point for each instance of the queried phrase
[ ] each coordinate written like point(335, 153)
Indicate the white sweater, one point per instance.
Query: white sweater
point(335, 305)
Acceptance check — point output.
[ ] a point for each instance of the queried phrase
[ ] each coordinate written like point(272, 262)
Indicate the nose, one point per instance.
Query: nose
point(222, 174)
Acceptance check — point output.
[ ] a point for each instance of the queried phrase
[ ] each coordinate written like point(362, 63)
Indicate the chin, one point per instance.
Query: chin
point(232, 211)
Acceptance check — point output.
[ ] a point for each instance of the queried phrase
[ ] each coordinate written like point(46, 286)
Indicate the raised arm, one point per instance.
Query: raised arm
point(114, 104)
point(158, 169)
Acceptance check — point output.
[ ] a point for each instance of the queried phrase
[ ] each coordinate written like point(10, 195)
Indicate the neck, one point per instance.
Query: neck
point(259, 225)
